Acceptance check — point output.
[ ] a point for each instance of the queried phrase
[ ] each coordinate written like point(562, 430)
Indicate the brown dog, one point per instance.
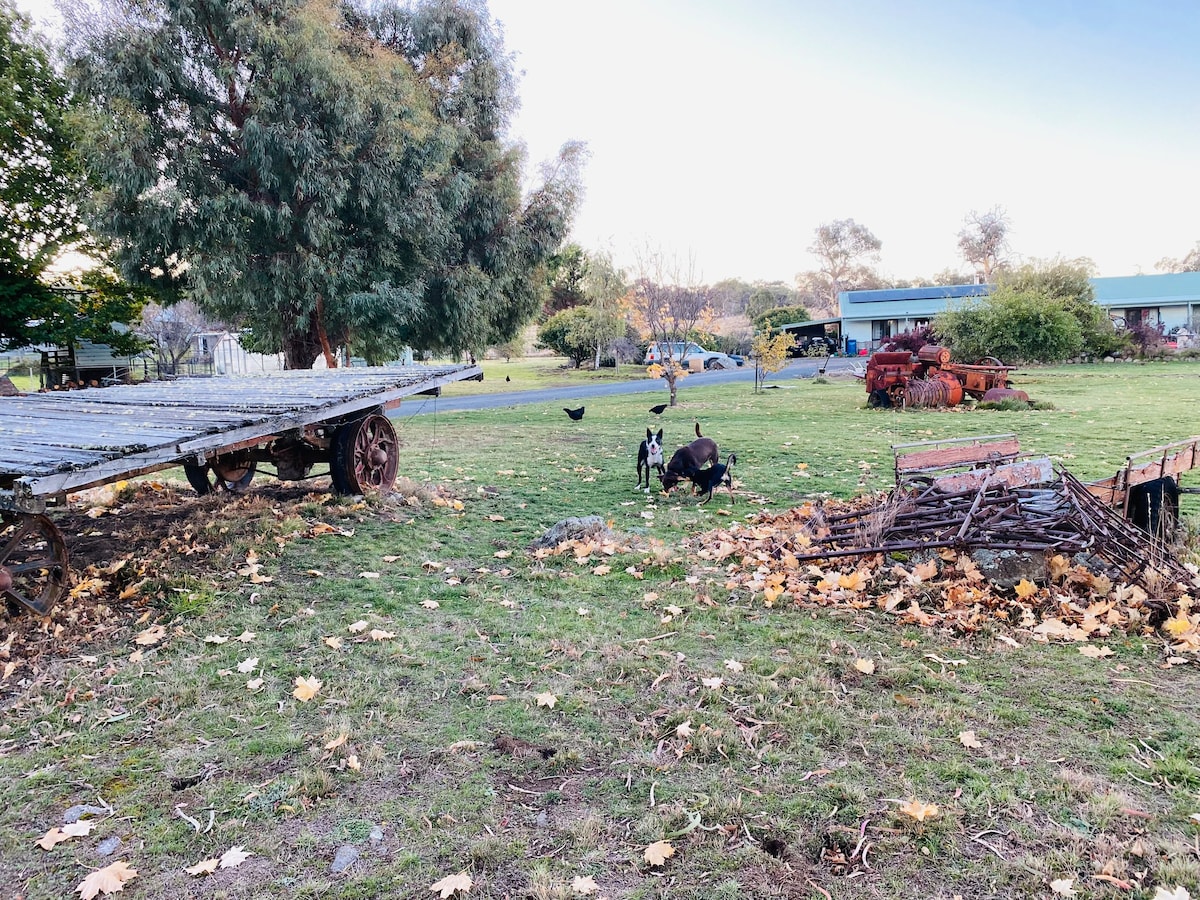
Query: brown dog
point(686, 461)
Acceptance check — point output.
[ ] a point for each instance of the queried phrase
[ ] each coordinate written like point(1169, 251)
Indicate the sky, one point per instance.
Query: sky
point(721, 135)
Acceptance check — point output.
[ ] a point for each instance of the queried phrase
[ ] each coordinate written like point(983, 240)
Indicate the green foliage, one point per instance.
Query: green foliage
point(1067, 283)
point(567, 270)
point(41, 180)
point(570, 333)
point(321, 175)
point(781, 315)
point(1014, 326)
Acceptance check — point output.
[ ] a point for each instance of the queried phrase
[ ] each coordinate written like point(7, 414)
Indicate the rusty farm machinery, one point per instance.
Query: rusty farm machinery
point(929, 379)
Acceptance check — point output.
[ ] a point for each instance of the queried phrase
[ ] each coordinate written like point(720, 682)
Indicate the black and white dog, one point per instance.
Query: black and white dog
point(650, 456)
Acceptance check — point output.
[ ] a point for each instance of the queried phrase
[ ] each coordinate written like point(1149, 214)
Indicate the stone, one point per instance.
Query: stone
point(575, 528)
point(376, 834)
point(108, 846)
point(1008, 568)
point(81, 811)
point(345, 857)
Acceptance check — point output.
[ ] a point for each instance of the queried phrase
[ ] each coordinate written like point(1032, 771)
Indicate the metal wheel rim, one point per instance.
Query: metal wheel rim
point(34, 569)
point(373, 458)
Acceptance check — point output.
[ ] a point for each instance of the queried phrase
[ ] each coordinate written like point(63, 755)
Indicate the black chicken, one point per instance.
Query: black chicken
point(658, 410)
point(575, 414)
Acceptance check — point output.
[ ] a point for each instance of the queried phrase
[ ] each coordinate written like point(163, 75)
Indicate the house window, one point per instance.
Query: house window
point(1142, 315)
point(882, 329)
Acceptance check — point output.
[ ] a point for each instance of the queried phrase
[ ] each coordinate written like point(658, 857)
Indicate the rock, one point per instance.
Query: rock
point(575, 528)
point(82, 810)
point(542, 820)
point(1109, 359)
point(376, 834)
point(1008, 568)
point(346, 857)
point(108, 846)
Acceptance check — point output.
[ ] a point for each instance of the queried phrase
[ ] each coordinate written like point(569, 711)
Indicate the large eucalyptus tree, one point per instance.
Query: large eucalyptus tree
point(306, 174)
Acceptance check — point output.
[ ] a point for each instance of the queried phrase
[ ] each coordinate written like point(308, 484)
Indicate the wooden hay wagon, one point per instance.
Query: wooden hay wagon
point(219, 429)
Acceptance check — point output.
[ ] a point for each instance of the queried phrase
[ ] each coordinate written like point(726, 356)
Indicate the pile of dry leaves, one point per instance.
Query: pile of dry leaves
point(1061, 599)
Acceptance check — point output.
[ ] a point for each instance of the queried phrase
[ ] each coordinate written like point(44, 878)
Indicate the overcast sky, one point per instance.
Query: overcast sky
point(727, 132)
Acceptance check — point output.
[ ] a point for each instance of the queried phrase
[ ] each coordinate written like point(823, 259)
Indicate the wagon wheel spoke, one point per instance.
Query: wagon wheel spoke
point(365, 455)
point(34, 569)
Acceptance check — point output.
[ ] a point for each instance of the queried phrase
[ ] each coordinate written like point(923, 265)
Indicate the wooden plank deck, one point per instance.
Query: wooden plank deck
point(57, 442)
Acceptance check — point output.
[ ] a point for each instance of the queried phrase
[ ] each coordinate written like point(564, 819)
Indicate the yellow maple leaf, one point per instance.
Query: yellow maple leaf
point(925, 570)
point(915, 809)
point(601, 570)
point(337, 741)
point(452, 884)
point(546, 699)
point(430, 604)
point(1025, 589)
point(865, 665)
point(378, 634)
point(1179, 624)
point(1059, 566)
point(855, 581)
point(306, 688)
point(108, 880)
point(233, 857)
point(658, 853)
point(333, 643)
point(1093, 652)
point(1064, 887)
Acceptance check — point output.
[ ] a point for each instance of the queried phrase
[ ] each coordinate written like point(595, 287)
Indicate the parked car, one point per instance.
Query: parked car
point(684, 352)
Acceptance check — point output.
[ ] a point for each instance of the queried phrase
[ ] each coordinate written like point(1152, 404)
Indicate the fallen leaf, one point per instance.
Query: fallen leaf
point(334, 643)
point(968, 739)
point(502, 554)
point(306, 688)
point(337, 741)
point(1093, 652)
point(108, 880)
point(234, 857)
point(733, 665)
point(353, 763)
point(684, 730)
point(378, 634)
point(248, 665)
point(714, 682)
point(865, 665)
point(51, 838)
point(659, 852)
point(216, 639)
point(546, 699)
point(1025, 589)
point(584, 611)
point(452, 884)
point(204, 867)
point(584, 884)
point(356, 627)
point(920, 811)
point(150, 636)
point(254, 684)
point(368, 574)
point(601, 570)
point(1064, 887)
point(246, 637)
point(430, 604)
point(1176, 893)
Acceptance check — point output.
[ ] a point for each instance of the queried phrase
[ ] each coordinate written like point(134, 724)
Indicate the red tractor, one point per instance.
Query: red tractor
point(929, 379)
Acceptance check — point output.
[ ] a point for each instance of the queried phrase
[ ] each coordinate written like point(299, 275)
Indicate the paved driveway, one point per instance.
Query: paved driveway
point(797, 368)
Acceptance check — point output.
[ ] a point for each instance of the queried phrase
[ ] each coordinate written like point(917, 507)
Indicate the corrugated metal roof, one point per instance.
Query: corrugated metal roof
point(930, 292)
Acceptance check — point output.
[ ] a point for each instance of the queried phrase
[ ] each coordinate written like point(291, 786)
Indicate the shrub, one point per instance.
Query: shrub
point(1012, 325)
point(780, 315)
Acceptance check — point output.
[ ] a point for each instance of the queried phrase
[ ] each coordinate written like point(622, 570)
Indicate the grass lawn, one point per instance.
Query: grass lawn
point(535, 373)
point(540, 721)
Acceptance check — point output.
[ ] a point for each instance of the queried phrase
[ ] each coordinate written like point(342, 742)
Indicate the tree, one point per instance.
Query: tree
point(843, 248)
point(570, 333)
point(783, 315)
point(770, 352)
point(171, 331)
point(41, 179)
point(1012, 325)
point(983, 241)
point(670, 304)
point(1068, 283)
point(1189, 262)
point(320, 175)
point(567, 269)
point(607, 294)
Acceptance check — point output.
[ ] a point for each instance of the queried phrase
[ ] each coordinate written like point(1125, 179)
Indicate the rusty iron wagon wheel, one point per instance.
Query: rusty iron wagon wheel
point(365, 455)
point(34, 568)
point(230, 472)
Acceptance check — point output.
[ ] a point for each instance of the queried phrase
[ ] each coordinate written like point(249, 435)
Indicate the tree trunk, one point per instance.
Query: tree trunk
point(301, 348)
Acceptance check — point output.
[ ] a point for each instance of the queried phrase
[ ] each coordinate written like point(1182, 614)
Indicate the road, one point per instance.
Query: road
point(797, 368)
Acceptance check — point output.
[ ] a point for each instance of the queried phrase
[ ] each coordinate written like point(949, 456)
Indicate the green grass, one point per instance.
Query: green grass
point(536, 373)
point(1085, 764)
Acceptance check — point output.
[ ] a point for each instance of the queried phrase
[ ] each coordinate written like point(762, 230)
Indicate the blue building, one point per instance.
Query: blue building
point(869, 318)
